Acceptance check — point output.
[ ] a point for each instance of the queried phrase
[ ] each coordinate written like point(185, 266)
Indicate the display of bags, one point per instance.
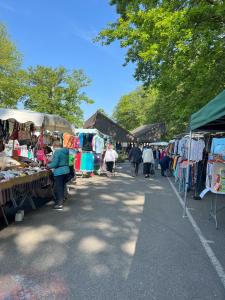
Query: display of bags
point(23, 133)
point(14, 134)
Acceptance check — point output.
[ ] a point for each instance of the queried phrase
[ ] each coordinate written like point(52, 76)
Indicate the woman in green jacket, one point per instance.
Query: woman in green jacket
point(60, 166)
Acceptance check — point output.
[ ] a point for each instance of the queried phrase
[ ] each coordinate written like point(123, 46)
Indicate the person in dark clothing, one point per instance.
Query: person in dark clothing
point(135, 157)
point(129, 147)
point(156, 154)
point(164, 163)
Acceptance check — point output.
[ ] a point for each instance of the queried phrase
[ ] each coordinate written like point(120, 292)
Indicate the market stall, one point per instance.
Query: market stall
point(178, 151)
point(89, 157)
point(21, 186)
point(210, 120)
point(23, 136)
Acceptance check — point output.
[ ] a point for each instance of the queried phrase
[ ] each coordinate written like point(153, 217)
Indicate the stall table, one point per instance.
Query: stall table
point(19, 189)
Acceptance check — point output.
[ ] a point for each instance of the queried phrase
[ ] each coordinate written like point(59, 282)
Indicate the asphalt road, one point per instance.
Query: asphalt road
point(118, 238)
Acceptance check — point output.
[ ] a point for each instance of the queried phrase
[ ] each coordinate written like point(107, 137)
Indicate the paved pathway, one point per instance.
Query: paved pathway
point(118, 238)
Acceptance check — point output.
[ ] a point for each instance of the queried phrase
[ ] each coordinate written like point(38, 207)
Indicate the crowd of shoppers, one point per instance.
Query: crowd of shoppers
point(151, 157)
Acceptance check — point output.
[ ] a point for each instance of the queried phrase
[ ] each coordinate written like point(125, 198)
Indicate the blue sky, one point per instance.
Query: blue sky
point(57, 32)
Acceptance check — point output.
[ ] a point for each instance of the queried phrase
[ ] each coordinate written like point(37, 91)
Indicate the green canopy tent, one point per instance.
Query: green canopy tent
point(210, 118)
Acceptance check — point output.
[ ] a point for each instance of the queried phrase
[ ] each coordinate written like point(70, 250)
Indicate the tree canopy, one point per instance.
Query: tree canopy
point(10, 61)
point(178, 48)
point(56, 91)
point(42, 89)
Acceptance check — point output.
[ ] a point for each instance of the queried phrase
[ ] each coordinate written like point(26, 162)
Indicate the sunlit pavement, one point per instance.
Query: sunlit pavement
point(117, 238)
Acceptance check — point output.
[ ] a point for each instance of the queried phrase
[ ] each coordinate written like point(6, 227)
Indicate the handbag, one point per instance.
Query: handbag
point(14, 134)
point(23, 134)
point(40, 153)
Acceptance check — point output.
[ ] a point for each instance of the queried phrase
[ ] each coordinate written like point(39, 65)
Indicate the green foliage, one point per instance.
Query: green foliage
point(135, 108)
point(56, 91)
point(42, 89)
point(178, 48)
point(102, 111)
point(10, 83)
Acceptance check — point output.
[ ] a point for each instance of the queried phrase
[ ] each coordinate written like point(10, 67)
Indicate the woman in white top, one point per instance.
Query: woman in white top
point(110, 158)
point(148, 159)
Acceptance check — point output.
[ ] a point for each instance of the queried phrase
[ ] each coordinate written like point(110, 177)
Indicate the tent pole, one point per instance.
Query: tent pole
point(187, 176)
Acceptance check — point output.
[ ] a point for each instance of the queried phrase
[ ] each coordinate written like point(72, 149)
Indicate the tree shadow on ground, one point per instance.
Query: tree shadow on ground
point(87, 248)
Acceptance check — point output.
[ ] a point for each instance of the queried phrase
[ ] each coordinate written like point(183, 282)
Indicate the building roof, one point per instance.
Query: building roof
point(149, 132)
point(108, 127)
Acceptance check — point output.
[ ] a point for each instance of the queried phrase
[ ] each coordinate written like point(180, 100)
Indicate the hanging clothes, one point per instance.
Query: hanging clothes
point(87, 162)
point(76, 142)
point(218, 146)
point(77, 161)
point(87, 142)
point(98, 144)
point(81, 138)
point(68, 141)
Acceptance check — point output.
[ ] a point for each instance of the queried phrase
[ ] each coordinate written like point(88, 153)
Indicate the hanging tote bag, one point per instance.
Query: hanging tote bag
point(14, 134)
point(40, 153)
point(23, 134)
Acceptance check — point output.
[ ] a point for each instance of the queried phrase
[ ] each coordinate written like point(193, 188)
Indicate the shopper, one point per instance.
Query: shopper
point(156, 154)
point(163, 153)
point(60, 166)
point(165, 164)
point(135, 157)
point(110, 159)
point(148, 161)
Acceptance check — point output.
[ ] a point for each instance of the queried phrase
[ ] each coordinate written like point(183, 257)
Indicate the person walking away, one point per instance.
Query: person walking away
point(148, 160)
point(156, 154)
point(163, 153)
point(135, 157)
point(60, 166)
point(164, 163)
point(110, 159)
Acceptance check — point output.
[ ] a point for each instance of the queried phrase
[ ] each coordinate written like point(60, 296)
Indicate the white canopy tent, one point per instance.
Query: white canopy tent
point(48, 121)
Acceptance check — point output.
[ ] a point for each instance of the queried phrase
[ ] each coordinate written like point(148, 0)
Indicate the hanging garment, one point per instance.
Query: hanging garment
point(87, 142)
point(81, 137)
point(98, 144)
point(97, 162)
point(218, 146)
point(87, 162)
point(77, 161)
point(76, 142)
point(68, 141)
